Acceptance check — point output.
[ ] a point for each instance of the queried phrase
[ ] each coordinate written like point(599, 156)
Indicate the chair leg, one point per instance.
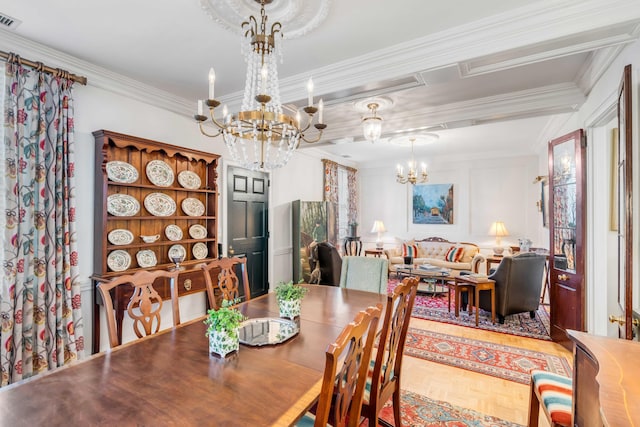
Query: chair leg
point(534, 406)
point(532, 314)
point(397, 415)
point(500, 319)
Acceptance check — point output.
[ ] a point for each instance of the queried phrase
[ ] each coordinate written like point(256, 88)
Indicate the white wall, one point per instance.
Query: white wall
point(484, 191)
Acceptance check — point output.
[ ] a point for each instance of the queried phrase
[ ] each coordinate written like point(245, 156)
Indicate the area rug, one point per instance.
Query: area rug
point(434, 307)
point(420, 411)
point(497, 360)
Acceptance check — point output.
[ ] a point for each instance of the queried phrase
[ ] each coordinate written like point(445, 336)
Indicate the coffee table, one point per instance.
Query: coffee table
point(434, 280)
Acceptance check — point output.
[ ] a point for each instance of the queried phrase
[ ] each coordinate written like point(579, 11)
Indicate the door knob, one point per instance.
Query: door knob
point(621, 320)
point(230, 251)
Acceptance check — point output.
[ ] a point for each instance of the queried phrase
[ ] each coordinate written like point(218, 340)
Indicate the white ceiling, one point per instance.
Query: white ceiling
point(484, 75)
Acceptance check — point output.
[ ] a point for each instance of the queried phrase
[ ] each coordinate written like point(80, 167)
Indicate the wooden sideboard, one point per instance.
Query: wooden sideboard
point(606, 382)
point(138, 153)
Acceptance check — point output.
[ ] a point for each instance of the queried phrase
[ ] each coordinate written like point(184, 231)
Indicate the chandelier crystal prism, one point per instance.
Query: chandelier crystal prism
point(261, 136)
point(412, 177)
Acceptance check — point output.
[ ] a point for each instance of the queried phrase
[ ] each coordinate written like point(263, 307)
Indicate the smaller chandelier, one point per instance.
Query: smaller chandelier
point(372, 126)
point(412, 175)
point(261, 136)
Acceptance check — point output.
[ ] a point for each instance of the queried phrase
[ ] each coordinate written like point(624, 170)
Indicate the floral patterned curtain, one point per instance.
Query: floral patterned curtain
point(41, 321)
point(332, 186)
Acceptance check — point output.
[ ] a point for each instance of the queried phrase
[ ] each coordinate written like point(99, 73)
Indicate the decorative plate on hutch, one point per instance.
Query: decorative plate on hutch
point(120, 236)
point(121, 172)
point(173, 232)
point(122, 205)
point(189, 180)
point(159, 173)
point(200, 250)
point(119, 260)
point(159, 204)
point(146, 258)
point(192, 207)
point(177, 251)
point(197, 231)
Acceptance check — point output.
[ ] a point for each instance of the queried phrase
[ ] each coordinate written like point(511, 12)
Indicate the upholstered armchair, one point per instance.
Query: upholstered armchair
point(329, 264)
point(365, 274)
point(518, 285)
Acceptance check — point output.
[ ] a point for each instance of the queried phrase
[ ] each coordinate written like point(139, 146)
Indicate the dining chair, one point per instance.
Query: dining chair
point(383, 379)
point(555, 393)
point(345, 373)
point(227, 281)
point(365, 274)
point(144, 305)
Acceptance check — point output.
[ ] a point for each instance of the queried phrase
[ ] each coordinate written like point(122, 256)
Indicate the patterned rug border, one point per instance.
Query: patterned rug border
point(435, 308)
point(529, 359)
point(422, 411)
point(444, 316)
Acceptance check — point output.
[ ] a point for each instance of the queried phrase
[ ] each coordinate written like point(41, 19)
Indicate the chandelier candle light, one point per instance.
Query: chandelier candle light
point(378, 227)
point(261, 136)
point(412, 175)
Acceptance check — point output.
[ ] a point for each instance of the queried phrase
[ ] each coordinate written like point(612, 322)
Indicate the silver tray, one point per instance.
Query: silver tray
point(267, 331)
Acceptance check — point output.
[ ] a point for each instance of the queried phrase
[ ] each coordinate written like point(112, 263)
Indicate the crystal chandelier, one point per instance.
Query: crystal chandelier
point(261, 136)
point(412, 174)
point(372, 126)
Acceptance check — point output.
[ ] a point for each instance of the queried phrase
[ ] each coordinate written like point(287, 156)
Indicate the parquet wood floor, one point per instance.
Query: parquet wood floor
point(494, 396)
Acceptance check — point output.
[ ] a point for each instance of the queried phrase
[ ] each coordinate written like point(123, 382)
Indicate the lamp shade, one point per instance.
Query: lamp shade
point(498, 229)
point(378, 227)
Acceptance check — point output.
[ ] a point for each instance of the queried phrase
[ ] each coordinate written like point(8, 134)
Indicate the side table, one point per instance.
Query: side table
point(375, 252)
point(480, 284)
point(352, 246)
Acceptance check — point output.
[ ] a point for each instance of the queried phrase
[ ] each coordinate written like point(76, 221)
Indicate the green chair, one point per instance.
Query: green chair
point(364, 274)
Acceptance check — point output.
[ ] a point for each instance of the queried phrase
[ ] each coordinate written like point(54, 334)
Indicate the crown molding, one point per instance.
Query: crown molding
point(550, 99)
point(97, 76)
point(541, 22)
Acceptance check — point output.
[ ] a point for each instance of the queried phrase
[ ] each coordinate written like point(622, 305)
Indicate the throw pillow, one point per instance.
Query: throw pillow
point(454, 254)
point(409, 250)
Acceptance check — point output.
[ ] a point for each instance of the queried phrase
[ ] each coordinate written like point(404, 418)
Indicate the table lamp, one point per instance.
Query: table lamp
point(378, 227)
point(499, 230)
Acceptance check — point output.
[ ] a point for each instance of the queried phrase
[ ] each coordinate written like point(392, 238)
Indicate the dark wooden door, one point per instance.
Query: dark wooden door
point(247, 223)
point(567, 199)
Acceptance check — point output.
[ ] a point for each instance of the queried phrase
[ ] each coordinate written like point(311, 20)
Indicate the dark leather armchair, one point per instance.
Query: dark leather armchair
point(518, 285)
point(330, 264)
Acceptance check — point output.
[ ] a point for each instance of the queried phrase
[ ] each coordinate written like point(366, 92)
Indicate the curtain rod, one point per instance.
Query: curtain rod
point(12, 57)
point(343, 166)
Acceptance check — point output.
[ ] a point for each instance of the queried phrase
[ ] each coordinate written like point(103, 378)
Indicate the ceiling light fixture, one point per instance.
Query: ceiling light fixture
point(261, 136)
point(372, 126)
point(412, 173)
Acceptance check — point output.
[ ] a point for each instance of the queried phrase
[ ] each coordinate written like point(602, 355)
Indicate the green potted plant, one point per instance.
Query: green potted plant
point(222, 328)
point(289, 296)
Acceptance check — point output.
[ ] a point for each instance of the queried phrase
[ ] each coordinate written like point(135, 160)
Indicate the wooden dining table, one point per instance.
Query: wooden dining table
point(171, 379)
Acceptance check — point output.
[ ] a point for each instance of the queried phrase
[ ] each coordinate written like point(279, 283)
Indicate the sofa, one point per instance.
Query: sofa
point(434, 250)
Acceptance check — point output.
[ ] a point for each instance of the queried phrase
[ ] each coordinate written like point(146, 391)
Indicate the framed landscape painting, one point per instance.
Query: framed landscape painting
point(433, 204)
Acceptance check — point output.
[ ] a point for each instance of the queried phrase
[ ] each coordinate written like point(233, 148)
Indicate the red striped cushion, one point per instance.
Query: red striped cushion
point(454, 254)
point(555, 392)
point(410, 250)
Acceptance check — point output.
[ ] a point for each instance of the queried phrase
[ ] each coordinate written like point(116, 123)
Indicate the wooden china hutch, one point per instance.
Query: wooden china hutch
point(163, 192)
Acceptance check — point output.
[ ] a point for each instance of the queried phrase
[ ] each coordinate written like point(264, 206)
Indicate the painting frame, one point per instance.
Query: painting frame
point(432, 204)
